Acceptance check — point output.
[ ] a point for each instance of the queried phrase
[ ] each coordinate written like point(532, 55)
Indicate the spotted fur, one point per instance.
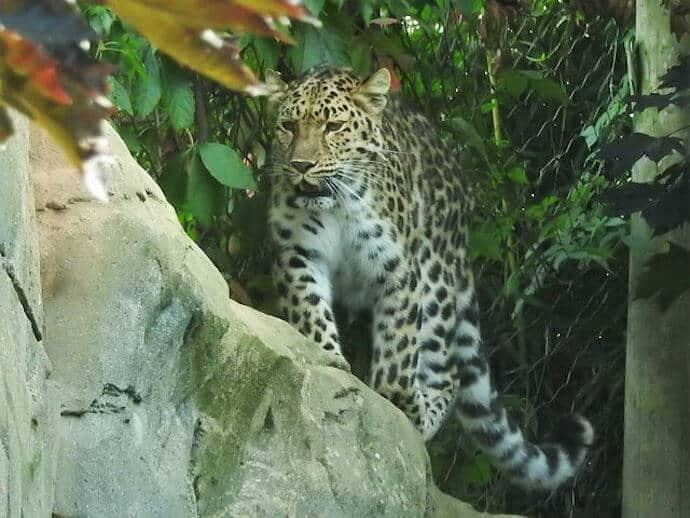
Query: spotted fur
point(369, 209)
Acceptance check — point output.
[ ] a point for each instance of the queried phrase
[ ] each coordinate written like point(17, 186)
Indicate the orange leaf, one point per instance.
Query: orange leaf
point(47, 82)
point(184, 29)
point(188, 46)
point(25, 60)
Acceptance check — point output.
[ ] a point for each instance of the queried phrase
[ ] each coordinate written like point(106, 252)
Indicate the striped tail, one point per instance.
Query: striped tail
point(533, 466)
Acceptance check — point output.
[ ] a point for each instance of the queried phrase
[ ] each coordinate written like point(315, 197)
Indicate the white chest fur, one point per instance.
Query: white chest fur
point(354, 245)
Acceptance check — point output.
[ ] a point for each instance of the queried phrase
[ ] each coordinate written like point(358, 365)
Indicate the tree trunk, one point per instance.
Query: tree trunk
point(656, 471)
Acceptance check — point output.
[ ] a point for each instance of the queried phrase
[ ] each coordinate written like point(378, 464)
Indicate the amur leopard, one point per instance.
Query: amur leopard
point(369, 210)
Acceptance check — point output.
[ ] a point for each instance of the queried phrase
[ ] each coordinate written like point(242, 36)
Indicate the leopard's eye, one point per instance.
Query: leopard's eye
point(288, 126)
point(333, 126)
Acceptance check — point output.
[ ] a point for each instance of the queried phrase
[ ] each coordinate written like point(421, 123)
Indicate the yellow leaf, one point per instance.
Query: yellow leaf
point(184, 29)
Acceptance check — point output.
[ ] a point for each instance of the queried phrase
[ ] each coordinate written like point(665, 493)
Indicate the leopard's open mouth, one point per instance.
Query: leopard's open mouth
point(305, 188)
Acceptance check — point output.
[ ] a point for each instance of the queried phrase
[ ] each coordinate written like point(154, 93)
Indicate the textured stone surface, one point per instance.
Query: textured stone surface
point(175, 400)
point(27, 415)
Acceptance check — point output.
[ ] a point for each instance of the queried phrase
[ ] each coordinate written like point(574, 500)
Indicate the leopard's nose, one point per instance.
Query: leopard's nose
point(302, 165)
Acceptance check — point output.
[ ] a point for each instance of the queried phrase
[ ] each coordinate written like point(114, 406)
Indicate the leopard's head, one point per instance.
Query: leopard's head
point(328, 132)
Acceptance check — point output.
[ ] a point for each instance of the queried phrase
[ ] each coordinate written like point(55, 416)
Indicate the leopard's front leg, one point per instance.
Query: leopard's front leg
point(410, 362)
point(305, 297)
point(396, 317)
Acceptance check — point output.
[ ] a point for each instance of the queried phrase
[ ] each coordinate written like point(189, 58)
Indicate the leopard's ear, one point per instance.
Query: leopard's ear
point(275, 85)
point(371, 94)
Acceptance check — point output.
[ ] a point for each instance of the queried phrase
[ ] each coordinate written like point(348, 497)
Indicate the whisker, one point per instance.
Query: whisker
point(363, 167)
point(336, 190)
point(380, 181)
point(347, 187)
point(373, 181)
point(386, 150)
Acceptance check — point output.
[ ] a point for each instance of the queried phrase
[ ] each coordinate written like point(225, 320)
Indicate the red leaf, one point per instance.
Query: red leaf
point(26, 60)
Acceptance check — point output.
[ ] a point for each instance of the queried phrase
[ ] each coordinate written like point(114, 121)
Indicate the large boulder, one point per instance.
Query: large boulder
point(27, 416)
point(175, 400)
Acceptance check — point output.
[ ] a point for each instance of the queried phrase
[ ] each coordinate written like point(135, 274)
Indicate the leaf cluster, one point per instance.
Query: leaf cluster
point(664, 202)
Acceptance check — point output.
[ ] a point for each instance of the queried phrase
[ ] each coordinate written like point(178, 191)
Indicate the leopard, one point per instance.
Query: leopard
point(369, 211)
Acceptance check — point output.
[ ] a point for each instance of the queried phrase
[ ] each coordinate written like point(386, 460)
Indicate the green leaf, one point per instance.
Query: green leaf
point(637, 242)
point(469, 7)
point(470, 134)
point(387, 43)
point(317, 47)
point(129, 135)
point(513, 83)
point(147, 90)
point(178, 103)
point(549, 89)
point(202, 191)
point(314, 6)
point(517, 175)
point(119, 96)
point(590, 135)
point(226, 166)
point(594, 133)
point(486, 242)
point(360, 57)
point(537, 211)
point(173, 179)
point(398, 8)
point(477, 471)
point(100, 19)
point(488, 106)
point(366, 9)
point(267, 52)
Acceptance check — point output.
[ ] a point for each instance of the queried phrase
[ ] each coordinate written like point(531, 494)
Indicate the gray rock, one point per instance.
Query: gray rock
point(27, 416)
point(175, 400)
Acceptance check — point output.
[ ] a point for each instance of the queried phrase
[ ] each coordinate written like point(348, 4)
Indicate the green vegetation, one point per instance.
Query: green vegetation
point(527, 95)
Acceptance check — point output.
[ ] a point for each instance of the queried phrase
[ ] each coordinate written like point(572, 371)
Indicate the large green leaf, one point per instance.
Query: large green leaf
point(314, 6)
point(366, 9)
point(202, 191)
point(267, 52)
point(512, 82)
point(178, 102)
point(147, 90)
point(119, 96)
point(549, 89)
point(100, 19)
point(317, 47)
point(516, 82)
point(469, 134)
point(468, 7)
point(173, 179)
point(386, 42)
point(226, 166)
point(486, 242)
point(360, 57)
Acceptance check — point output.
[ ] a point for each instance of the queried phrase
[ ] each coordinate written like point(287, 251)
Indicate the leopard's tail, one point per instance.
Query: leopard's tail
point(543, 466)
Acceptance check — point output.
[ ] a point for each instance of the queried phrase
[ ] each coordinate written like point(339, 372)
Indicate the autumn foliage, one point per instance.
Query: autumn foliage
point(47, 75)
